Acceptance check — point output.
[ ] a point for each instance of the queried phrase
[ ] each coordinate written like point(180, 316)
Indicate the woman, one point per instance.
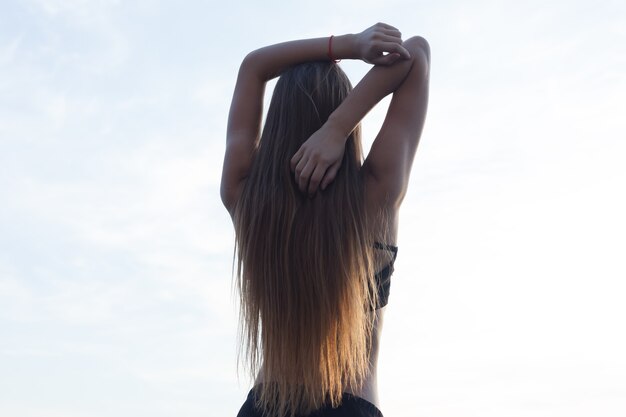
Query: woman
point(316, 225)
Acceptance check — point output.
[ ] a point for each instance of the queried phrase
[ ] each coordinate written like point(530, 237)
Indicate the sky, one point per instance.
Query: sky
point(116, 252)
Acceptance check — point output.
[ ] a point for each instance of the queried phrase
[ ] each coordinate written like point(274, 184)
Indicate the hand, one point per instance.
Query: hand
point(318, 159)
point(380, 38)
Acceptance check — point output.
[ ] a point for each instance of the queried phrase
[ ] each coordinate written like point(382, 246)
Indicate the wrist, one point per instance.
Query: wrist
point(344, 46)
point(338, 125)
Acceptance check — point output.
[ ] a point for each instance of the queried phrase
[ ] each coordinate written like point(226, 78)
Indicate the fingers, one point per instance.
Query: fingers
point(312, 175)
point(316, 177)
point(388, 39)
point(393, 35)
point(319, 179)
point(309, 176)
point(330, 175)
point(303, 178)
point(386, 26)
point(302, 167)
point(392, 47)
point(387, 59)
point(295, 159)
point(390, 44)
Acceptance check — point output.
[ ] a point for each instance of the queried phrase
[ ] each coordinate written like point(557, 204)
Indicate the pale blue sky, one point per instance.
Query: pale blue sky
point(115, 251)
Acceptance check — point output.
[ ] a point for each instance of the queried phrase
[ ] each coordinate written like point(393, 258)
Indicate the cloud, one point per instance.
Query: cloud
point(115, 251)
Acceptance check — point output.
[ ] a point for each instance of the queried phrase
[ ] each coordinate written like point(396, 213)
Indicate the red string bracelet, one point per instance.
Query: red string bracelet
point(330, 52)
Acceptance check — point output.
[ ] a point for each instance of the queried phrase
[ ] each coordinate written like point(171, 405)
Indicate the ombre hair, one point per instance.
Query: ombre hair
point(305, 270)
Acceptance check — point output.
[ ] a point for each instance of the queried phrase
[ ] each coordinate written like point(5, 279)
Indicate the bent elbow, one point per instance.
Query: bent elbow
point(419, 48)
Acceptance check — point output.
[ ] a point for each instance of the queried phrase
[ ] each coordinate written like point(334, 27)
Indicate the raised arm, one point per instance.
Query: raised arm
point(246, 109)
point(264, 64)
point(388, 164)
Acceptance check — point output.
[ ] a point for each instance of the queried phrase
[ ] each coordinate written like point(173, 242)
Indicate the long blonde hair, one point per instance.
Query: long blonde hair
point(304, 265)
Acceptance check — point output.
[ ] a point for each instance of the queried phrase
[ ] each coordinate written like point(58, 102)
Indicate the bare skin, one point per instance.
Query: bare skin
point(387, 166)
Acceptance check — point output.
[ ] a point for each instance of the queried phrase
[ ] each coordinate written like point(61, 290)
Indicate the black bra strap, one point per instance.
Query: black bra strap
point(392, 248)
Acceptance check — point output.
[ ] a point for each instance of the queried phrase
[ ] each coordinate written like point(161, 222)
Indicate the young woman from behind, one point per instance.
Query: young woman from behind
point(315, 224)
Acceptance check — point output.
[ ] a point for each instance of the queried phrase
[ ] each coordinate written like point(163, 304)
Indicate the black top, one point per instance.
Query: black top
point(383, 277)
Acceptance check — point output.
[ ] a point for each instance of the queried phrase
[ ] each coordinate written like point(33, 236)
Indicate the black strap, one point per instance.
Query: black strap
point(383, 276)
point(392, 248)
point(386, 271)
